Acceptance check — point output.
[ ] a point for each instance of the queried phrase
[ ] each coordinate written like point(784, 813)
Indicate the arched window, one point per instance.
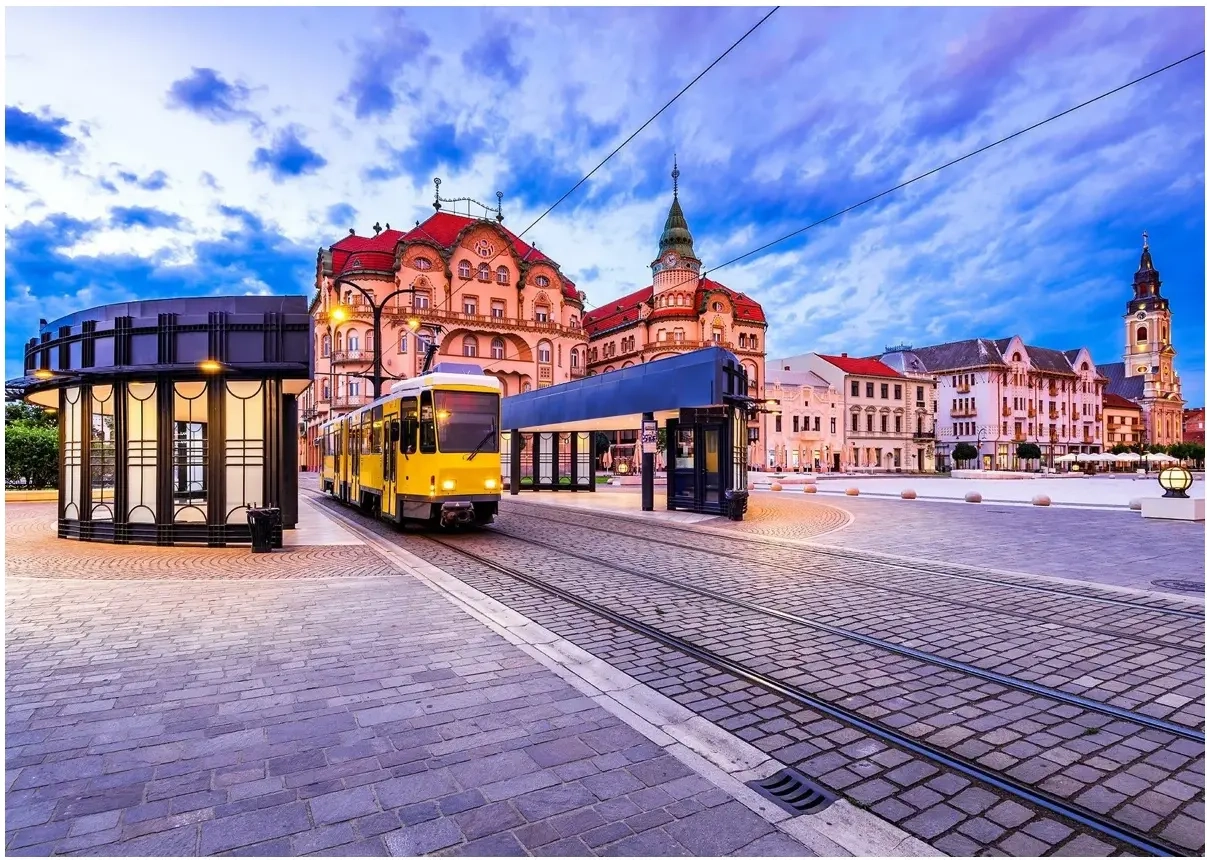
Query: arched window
point(339, 341)
point(754, 341)
point(402, 341)
point(484, 272)
point(544, 352)
point(353, 342)
point(574, 358)
point(527, 386)
point(496, 348)
point(463, 270)
point(1142, 333)
point(541, 281)
point(423, 263)
point(716, 306)
point(503, 275)
point(326, 345)
point(574, 323)
point(424, 338)
point(1016, 357)
point(742, 340)
point(469, 346)
point(1085, 365)
point(369, 341)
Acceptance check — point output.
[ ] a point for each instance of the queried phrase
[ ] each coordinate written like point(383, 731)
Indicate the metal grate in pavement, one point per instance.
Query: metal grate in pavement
point(793, 792)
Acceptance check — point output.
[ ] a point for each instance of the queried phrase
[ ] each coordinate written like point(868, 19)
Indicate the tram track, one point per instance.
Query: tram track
point(922, 656)
point(943, 569)
point(755, 671)
point(1099, 823)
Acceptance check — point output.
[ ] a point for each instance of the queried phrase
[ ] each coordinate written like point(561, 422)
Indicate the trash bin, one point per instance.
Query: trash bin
point(263, 522)
point(736, 504)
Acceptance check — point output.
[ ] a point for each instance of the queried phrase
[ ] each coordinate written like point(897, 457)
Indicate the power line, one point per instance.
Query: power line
point(629, 139)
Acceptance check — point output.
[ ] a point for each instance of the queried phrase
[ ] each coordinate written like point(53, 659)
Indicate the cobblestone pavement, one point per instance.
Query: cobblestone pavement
point(1107, 547)
point(1141, 777)
point(342, 716)
point(32, 549)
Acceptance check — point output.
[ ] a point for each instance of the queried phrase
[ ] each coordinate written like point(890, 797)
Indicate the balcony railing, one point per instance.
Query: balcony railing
point(1076, 415)
point(344, 401)
point(1020, 437)
point(489, 321)
point(963, 388)
point(342, 355)
point(1053, 414)
point(1031, 412)
point(1006, 410)
point(577, 373)
point(967, 412)
point(924, 434)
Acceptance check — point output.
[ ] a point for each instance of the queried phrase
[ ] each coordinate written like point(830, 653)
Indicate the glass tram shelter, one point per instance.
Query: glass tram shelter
point(700, 397)
point(175, 415)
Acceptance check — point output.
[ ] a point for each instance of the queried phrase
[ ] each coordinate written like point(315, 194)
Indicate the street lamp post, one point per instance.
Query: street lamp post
point(981, 435)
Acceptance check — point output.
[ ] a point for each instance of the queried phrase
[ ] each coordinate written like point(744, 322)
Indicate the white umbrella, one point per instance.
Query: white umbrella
point(1128, 457)
point(1066, 458)
point(1107, 458)
point(1161, 458)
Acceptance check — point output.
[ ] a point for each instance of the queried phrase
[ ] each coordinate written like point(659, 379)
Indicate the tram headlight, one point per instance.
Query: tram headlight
point(491, 483)
point(448, 484)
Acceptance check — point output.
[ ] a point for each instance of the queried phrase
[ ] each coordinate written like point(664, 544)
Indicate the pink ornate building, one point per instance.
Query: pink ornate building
point(680, 311)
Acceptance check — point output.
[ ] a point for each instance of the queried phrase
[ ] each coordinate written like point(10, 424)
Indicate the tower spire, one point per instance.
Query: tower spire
point(1145, 235)
point(675, 178)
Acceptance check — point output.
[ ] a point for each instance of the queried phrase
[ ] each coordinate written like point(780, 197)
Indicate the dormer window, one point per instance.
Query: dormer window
point(463, 270)
point(541, 281)
point(422, 263)
point(716, 306)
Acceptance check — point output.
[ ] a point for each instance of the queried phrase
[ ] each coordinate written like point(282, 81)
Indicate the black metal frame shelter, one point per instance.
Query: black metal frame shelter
point(700, 397)
point(175, 415)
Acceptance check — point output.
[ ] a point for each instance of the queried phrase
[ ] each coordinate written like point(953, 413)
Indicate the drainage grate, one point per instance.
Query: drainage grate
point(1184, 586)
point(793, 792)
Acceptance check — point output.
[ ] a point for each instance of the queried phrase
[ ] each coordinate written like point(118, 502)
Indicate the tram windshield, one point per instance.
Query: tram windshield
point(467, 421)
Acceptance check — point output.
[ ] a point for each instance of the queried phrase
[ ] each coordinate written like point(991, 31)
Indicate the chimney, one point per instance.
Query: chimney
point(844, 355)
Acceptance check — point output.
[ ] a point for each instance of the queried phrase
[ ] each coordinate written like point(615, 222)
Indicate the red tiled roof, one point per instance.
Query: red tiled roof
point(1117, 402)
point(443, 228)
point(625, 310)
point(861, 366)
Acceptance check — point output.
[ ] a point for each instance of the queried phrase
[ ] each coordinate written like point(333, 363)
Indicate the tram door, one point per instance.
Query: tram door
point(389, 466)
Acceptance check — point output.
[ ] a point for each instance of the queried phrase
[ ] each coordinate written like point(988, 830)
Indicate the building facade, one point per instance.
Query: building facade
point(1146, 375)
point(889, 416)
point(1192, 425)
point(806, 433)
point(679, 312)
point(464, 282)
point(1123, 421)
point(998, 394)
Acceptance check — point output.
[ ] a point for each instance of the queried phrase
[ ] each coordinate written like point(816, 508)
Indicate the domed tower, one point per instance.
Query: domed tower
point(1149, 348)
point(677, 264)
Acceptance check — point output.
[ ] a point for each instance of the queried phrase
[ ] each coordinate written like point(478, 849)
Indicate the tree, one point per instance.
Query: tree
point(1029, 451)
point(602, 443)
point(30, 414)
point(1121, 449)
point(31, 455)
point(964, 452)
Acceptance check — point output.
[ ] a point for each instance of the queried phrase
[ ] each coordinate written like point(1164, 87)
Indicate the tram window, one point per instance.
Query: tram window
point(467, 421)
point(427, 424)
point(410, 424)
point(366, 433)
point(375, 439)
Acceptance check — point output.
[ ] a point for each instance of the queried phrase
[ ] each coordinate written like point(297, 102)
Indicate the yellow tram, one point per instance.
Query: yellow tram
point(428, 451)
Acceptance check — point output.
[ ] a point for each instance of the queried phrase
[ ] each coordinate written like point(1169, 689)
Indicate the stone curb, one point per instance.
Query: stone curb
point(724, 760)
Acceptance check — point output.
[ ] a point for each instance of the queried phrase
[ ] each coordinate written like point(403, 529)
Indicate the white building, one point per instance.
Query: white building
point(997, 394)
point(888, 415)
point(807, 433)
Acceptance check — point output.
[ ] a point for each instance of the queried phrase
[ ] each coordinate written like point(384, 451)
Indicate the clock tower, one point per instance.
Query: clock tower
point(1149, 353)
point(677, 264)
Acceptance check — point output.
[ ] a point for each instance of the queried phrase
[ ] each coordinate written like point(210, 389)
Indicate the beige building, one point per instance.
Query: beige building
point(806, 435)
point(1123, 421)
point(1146, 375)
point(680, 311)
point(889, 415)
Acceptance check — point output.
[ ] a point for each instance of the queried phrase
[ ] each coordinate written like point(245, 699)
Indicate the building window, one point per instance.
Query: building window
point(402, 342)
point(716, 335)
point(816, 423)
point(869, 423)
point(469, 346)
point(421, 301)
point(497, 309)
point(833, 426)
point(542, 313)
point(496, 348)
point(869, 389)
point(754, 341)
point(574, 358)
point(353, 342)
point(469, 305)
point(424, 339)
point(795, 423)
point(884, 391)
point(896, 392)
point(463, 270)
point(326, 345)
point(854, 389)
point(678, 335)
point(544, 354)
point(1142, 333)
point(855, 421)
point(897, 423)
point(527, 386)
point(661, 335)
point(883, 423)
point(742, 340)
point(541, 281)
point(484, 273)
point(503, 275)
point(779, 423)
point(423, 263)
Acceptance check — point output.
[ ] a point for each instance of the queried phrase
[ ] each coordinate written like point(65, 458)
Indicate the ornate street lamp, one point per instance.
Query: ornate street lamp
point(1175, 481)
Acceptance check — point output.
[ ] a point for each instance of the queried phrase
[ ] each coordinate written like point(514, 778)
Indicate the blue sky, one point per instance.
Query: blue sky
point(157, 152)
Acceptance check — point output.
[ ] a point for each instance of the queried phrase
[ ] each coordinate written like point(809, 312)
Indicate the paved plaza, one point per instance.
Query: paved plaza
point(370, 692)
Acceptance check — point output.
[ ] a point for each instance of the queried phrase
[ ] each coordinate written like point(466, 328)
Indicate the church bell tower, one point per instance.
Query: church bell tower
point(1149, 349)
point(677, 264)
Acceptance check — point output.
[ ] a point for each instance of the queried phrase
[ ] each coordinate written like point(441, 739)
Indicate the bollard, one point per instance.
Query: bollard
point(852, 491)
point(1134, 505)
point(972, 497)
point(1041, 501)
point(776, 486)
point(908, 494)
point(810, 489)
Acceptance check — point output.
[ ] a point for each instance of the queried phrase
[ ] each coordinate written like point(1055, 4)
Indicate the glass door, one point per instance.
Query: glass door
point(711, 465)
point(683, 468)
